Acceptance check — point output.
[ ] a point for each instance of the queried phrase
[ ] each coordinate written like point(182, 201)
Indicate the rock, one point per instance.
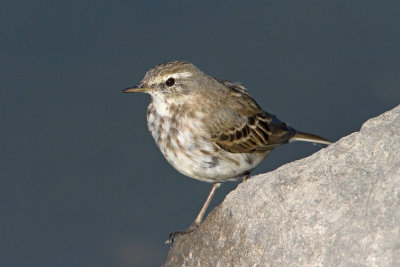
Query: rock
point(340, 206)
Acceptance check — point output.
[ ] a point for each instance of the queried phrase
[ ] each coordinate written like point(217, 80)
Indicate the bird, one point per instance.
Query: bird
point(210, 129)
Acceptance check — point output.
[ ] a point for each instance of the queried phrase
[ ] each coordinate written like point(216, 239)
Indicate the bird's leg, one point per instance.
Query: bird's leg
point(245, 177)
point(199, 217)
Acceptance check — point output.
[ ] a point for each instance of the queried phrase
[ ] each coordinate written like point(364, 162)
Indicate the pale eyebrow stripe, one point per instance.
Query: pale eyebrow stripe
point(182, 75)
point(178, 75)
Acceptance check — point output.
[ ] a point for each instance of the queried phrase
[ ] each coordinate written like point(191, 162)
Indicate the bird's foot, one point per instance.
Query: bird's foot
point(173, 235)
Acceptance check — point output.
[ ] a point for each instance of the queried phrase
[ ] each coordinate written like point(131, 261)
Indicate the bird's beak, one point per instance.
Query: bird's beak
point(137, 88)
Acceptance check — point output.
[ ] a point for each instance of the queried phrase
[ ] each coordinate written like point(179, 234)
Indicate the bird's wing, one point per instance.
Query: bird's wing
point(241, 126)
point(260, 132)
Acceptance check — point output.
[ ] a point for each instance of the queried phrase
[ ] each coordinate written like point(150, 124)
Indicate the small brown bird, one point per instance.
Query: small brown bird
point(210, 129)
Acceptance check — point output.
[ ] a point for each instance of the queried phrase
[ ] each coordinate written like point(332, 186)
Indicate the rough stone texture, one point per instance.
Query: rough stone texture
point(338, 207)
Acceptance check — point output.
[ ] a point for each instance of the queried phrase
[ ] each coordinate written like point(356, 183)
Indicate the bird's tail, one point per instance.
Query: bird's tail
point(306, 137)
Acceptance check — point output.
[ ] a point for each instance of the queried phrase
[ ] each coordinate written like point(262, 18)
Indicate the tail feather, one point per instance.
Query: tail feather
point(306, 137)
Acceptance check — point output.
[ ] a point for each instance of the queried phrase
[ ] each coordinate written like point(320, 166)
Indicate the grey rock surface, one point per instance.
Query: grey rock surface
point(338, 207)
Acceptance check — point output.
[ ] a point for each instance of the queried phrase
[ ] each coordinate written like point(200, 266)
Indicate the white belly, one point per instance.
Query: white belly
point(194, 156)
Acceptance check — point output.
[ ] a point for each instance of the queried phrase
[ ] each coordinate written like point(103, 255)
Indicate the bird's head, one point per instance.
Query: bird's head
point(170, 79)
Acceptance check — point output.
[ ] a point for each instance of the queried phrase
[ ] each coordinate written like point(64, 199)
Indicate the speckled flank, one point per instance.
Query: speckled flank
point(195, 156)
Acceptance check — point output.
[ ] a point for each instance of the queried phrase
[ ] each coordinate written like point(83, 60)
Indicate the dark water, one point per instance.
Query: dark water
point(81, 181)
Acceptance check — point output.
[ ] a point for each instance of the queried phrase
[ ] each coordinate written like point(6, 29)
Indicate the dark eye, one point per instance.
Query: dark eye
point(170, 82)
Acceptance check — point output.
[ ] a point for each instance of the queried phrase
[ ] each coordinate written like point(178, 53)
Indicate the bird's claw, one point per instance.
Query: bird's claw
point(173, 235)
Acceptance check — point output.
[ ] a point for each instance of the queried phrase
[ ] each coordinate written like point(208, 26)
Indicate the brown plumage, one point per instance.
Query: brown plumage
point(210, 129)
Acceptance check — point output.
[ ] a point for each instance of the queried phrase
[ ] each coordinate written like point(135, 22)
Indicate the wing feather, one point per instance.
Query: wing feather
point(258, 137)
point(241, 126)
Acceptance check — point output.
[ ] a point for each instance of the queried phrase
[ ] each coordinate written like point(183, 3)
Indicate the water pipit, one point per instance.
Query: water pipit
point(210, 129)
